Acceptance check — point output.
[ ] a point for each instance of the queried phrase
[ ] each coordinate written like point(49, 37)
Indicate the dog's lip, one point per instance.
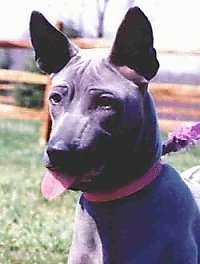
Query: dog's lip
point(55, 183)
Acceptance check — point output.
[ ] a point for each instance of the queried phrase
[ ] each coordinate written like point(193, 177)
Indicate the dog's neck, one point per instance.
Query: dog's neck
point(131, 188)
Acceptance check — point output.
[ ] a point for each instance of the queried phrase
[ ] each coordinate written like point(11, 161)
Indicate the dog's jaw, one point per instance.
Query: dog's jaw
point(55, 183)
point(126, 190)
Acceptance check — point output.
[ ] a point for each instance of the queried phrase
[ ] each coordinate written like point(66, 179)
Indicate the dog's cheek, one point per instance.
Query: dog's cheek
point(55, 112)
point(109, 121)
point(133, 118)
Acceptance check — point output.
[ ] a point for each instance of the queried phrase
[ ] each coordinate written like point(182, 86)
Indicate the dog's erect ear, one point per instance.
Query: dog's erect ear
point(133, 45)
point(52, 49)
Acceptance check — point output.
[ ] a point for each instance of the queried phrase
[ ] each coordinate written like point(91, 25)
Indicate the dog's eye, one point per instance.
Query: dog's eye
point(106, 102)
point(55, 98)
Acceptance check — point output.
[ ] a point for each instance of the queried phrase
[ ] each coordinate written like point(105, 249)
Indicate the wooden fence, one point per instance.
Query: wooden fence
point(177, 104)
point(12, 111)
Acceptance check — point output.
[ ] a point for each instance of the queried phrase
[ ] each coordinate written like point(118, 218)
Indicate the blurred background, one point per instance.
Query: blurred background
point(32, 229)
point(93, 24)
point(175, 23)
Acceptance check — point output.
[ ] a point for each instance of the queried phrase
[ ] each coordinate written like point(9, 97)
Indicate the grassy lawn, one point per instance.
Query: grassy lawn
point(32, 229)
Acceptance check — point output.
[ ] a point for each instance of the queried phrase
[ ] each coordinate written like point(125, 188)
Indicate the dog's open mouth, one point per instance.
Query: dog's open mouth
point(55, 183)
point(75, 170)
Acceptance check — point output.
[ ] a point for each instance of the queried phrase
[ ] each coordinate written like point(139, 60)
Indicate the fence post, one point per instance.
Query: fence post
point(46, 124)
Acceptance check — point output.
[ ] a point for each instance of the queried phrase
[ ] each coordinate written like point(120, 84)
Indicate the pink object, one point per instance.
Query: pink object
point(133, 187)
point(54, 184)
point(181, 138)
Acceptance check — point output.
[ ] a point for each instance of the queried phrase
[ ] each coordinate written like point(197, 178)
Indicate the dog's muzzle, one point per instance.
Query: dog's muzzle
point(69, 169)
point(74, 164)
point(72, 161)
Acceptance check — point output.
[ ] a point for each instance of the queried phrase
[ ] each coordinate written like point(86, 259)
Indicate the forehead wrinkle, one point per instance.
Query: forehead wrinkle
point(99, 75)
point(91, 77)
point(70, 76)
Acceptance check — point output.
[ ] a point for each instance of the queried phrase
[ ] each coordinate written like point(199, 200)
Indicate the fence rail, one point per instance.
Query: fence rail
point(23, 77)
point(90, 43)
point(17, 112)
point(177, 104)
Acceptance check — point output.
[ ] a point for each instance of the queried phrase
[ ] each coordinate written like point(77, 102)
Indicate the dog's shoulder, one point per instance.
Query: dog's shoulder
point(174, 194)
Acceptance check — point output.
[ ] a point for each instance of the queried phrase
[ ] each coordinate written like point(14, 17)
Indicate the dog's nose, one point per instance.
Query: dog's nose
point(69, 158)
point(59, 150)
point(56, 145)
point(52, 151)
point(56, 153)
point(61, 146)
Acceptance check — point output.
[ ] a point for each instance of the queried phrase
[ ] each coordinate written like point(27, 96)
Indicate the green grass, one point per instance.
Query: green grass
point(33, 230)
point(184, 159)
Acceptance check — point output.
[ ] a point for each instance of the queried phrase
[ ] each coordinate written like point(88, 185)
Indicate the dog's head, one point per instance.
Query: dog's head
point(104, 131)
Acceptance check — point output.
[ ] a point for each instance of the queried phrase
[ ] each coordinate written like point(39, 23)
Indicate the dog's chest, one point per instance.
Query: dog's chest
point(115, 234)
point(86, 246)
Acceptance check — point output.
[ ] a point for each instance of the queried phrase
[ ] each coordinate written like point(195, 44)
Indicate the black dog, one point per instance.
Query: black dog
point(106, 142)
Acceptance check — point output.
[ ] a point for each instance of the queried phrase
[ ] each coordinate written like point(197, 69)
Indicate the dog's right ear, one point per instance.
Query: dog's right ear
point(52, 49)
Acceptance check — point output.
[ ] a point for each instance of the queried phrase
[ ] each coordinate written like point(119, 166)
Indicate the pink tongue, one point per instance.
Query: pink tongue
point(54, 184)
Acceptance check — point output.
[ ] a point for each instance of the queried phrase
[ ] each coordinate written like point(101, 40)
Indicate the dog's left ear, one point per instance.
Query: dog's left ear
point(133, 45)
point(52, 49)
